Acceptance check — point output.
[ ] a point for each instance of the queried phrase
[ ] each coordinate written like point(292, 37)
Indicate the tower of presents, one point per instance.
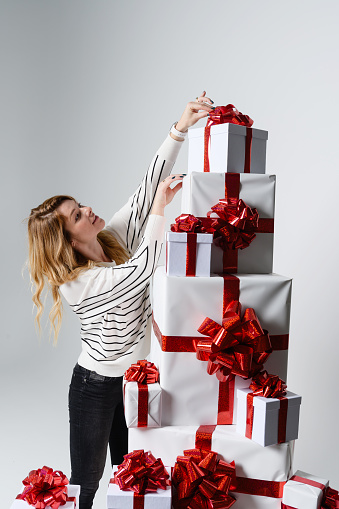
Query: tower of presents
point(211, 401)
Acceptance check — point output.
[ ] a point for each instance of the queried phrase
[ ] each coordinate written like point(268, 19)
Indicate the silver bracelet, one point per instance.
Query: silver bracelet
point(177, 133)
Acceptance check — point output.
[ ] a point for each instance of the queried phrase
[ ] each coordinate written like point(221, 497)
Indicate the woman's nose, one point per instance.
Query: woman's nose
point(88, 210)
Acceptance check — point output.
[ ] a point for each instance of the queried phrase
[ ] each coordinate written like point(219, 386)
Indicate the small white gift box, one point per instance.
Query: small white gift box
point(133, 403)
point(120, 499)
point(304, 491)
point(73, 493)
point(266, 430)
point(227, 149)
point(188, 254)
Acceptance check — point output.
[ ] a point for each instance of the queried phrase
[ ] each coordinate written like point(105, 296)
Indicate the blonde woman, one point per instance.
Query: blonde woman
point(104, 274)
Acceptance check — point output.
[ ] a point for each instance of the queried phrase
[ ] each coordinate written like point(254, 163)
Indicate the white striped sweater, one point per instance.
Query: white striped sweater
point(113, 301)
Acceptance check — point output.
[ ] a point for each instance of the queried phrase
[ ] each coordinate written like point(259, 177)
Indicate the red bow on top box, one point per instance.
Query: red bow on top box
point(242, 215)
point(267, 413)
point(228, 143)
point(188, 248)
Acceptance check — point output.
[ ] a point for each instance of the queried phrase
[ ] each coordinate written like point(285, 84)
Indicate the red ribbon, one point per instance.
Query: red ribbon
point(268, 386)
point(144, 373)
point(45, 488)
point(331, 499)
point(248, 486)
point(236, 225)
point(237, 347)
point(202, 481)
point(229, 114)
point(141, 473)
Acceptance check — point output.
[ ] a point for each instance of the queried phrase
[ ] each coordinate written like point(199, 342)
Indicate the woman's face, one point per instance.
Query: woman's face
point(81, 223)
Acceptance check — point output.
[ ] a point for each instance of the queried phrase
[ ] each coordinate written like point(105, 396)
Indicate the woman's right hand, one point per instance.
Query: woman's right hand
point(165, 194)
point(194, 111)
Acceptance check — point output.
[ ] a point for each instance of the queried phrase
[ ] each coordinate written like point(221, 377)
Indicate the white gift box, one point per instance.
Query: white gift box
point(176, 253)
point(120, 499)
point(190, 394)
point(252, 461)
point(266, 417)
point(201, 191)
point(300, 495)
point(73, 491)
point(131, 404)
point(227, 149)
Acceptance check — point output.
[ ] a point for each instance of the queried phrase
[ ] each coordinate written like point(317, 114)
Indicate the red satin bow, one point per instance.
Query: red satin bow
point(228, 114)
point(203, 481)
point(331, 499)
point(45, 488)
point(237, 222)
point(187, 223)
point(143, 372)
point(239, 346)
point(268, 386)
point(142, 473)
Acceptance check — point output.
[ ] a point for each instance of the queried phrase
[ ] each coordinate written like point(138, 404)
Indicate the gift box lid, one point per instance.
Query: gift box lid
point(228, 128)
point(202, 238)
point(269, 404)
point(299, 473)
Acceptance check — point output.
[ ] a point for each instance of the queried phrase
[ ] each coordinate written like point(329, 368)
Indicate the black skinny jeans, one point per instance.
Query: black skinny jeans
point(96, 416)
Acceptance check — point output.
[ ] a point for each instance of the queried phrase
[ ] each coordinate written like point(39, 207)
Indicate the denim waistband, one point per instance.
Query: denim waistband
point(93, 375)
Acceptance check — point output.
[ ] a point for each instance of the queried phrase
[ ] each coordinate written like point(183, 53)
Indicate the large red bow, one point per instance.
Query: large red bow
point(268, 386)
point(239, 346)
point(45, 488)
point(237, 222)
point(331, 499)
point(143, 372)
point(203, 481)
point(141, 472)
point(228, 114)
point(188, 223)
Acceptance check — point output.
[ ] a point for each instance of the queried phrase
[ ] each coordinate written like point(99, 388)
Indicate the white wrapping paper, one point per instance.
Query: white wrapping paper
point(266, 416)
point(227, 149)
point(131, 398)
point(190, 394)
point(73, 491)
point(201, 191)
point(304, 496)
point(176, 247)
point(119, 499)
point(272, 463)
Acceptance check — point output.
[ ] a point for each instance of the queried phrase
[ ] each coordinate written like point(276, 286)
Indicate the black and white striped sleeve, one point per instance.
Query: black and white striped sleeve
point(129, 223)
point(100, 289)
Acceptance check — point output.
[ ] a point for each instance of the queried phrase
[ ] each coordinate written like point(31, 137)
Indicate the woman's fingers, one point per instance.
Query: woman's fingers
point(172, 178)
point(202, 98)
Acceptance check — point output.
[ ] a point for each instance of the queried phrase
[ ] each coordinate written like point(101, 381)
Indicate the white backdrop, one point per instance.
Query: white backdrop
point(89, 90)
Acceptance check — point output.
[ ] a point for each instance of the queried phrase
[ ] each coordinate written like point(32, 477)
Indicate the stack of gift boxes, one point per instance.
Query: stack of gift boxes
point(211, 402)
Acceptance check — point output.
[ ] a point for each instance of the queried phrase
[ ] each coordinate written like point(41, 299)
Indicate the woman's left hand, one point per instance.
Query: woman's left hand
point(194, 111)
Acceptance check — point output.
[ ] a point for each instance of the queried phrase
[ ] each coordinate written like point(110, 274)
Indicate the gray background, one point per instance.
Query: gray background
point(89, 90)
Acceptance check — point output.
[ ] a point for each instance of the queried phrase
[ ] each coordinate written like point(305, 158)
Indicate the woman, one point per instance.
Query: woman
point(104, 274)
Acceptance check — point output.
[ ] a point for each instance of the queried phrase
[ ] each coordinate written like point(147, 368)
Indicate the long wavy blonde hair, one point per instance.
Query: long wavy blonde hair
point(52, 261)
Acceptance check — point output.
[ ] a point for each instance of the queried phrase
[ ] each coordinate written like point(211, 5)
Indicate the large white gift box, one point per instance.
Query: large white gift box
point(120, 499)
point(132, 404)
point(254, 464)
point(201, 191)
point(73, 492)
point(266, 417)
point(179, 256)
point(227, 149)
point(190, 394)
point(304, 491)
